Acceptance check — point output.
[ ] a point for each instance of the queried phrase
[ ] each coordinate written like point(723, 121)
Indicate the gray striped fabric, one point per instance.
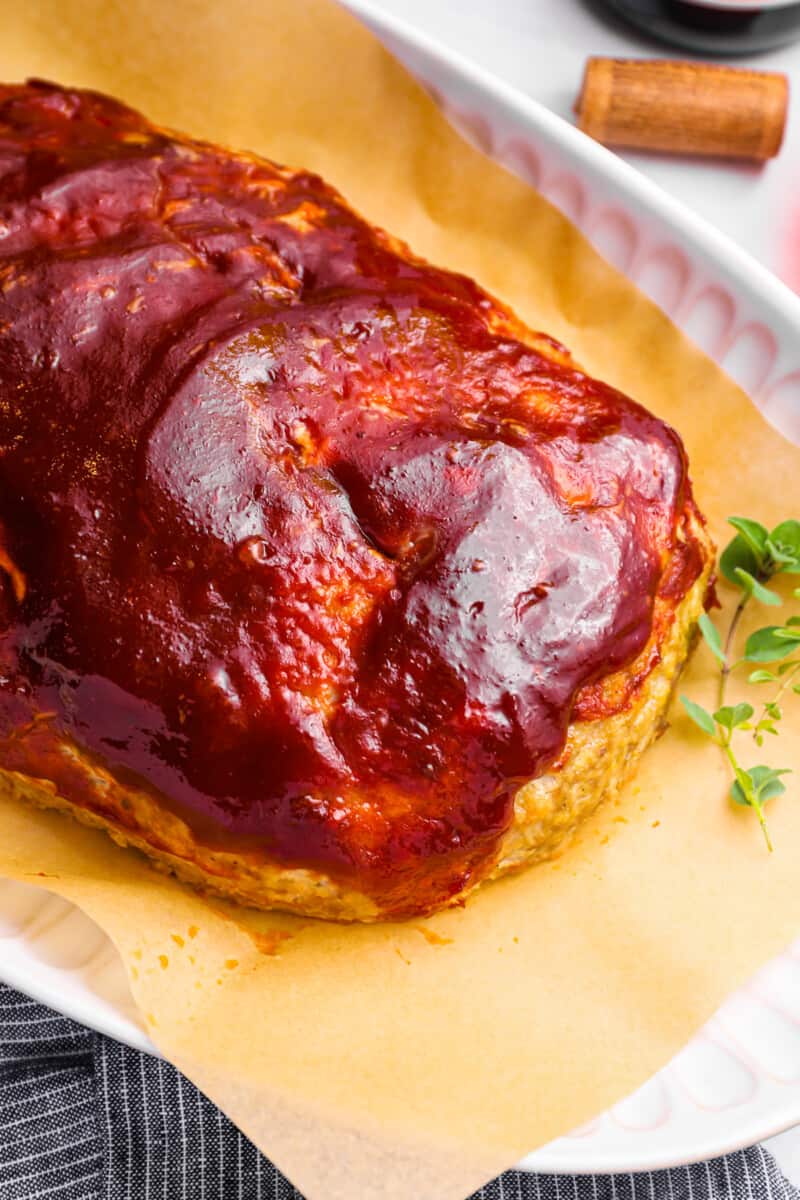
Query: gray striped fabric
point(84, 1118)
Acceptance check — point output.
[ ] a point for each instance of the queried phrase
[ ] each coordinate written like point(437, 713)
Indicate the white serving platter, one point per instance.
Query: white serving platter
point(738, 1080)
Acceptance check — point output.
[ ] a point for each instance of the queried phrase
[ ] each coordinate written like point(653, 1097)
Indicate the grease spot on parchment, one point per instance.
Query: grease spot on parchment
point(269, 941)
point(433, 938)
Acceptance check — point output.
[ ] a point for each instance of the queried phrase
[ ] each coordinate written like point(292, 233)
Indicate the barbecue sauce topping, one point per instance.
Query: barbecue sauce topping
point(295, 534)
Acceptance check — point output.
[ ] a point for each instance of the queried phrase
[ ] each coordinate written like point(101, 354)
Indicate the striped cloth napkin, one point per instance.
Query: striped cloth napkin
point(85, 1118)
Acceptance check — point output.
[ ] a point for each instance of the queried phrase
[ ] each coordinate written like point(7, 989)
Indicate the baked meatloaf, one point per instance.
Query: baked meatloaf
point(325, 582)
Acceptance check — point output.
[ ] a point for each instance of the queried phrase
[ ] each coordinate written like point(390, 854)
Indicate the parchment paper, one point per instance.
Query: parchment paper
point(386, 1062)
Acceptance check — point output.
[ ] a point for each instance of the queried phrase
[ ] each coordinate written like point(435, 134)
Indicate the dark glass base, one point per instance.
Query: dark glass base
point(739, 30)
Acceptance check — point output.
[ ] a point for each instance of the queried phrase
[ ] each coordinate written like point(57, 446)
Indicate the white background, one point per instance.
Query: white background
point(541, 46)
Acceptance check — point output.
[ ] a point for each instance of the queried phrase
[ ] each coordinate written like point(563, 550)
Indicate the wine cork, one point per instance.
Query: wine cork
point(684, 107)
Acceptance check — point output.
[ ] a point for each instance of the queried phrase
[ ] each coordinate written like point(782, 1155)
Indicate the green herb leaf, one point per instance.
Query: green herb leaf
point(774, 710)
point(712, 638)
point(761, 676)
point(742, 790)
point(733, 717)
point(770, 644)
point(778, 556)
point(793, 621)
point(737, 794)
point(754, 588)
point(764, 783)
point(738, 555)
point(785, 538)
point(788, 666)
point(753, 533)
point(700, 716)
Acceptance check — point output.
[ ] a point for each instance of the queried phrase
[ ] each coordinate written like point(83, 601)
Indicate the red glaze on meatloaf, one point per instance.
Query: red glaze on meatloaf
point(307, 539)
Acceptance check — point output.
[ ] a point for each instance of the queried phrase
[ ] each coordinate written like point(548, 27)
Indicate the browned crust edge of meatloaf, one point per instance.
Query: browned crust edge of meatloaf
point(598, 759)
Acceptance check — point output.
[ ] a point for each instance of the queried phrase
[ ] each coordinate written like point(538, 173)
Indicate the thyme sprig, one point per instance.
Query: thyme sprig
point(750, 561)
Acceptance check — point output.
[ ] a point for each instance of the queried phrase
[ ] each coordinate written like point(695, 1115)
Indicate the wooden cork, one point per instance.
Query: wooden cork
point(684, 107)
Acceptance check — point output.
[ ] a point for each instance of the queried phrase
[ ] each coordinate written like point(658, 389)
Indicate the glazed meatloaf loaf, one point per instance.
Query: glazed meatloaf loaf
point(324, 581)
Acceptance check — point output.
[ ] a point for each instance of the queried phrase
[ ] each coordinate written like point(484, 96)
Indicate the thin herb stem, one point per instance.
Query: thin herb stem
point(727, 666)
point(762, 822)
point(743, 779)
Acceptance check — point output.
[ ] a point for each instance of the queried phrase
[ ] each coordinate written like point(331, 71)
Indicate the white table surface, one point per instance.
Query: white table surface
point(540, 46)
